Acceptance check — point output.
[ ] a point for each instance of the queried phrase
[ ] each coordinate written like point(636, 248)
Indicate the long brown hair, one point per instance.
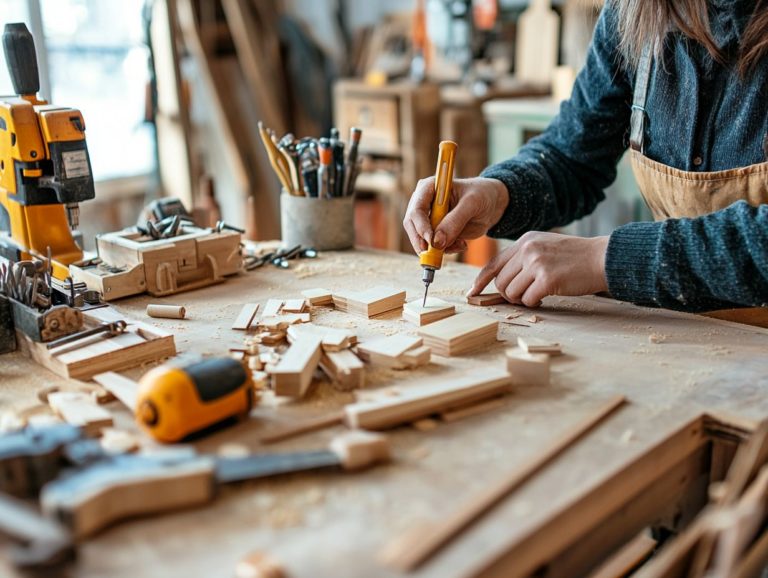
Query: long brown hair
point(647, 22)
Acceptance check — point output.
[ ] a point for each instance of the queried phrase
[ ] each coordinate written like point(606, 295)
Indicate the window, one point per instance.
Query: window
point(96, 58)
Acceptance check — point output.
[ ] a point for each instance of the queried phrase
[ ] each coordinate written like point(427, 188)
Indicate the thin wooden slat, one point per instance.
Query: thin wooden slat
point(245, 317)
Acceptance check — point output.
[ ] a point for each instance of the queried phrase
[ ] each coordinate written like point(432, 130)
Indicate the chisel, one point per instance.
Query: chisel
point(90, 499)
point(432, 259)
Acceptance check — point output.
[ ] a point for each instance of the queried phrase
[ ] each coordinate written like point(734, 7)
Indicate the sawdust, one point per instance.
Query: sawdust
point(657, 338)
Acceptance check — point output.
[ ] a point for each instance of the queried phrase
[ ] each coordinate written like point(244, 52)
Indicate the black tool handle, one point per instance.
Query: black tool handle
point(19, 47)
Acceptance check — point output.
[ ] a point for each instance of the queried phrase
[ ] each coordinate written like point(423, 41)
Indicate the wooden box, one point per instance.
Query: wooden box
point(141, 343)
point(133, 263)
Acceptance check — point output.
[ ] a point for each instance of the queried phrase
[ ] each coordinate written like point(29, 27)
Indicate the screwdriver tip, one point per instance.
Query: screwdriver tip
point(426, 289)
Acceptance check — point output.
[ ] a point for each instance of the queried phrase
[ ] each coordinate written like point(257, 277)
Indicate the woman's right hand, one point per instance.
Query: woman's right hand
point(475, 206)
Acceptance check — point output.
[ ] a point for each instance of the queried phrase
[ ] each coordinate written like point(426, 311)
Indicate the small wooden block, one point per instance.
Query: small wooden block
point(272, 307)
point(294, 306)
point(333, 339)
point(344, 368)
point(293, 374)
point(460, 333)
point(434, 310)
point(318, 296)
point(485, 299)
point(282, 322)
point(359, 449)
point(245, 318)
point(79, 410)
point(528, 368)
point(417, 356)
point(123, 388)
point(536, 345)
point(370, 303)
point(389, 351)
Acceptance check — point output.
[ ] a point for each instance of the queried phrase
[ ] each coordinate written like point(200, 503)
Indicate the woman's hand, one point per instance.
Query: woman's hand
point(542, 264)
point(476, 205)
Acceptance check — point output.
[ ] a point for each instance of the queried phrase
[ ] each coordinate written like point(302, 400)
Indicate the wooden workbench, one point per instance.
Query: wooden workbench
point(335, 524)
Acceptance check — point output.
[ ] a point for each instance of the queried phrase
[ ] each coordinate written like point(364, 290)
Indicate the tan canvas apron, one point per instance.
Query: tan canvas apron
point(672, 193)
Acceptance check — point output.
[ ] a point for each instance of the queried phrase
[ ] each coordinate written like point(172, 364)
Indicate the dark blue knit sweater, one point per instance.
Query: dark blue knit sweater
point(696, 108)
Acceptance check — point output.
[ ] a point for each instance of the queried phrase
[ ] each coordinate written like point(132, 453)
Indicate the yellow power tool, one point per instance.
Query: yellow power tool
point(45, 170)
point(174, 402)
point(432, 259)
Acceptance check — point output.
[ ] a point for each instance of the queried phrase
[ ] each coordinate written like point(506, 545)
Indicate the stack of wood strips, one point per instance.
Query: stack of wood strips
point(434, 310)
point(371, 302)
point(318, 296)
point(460, 333)
point(395, 351)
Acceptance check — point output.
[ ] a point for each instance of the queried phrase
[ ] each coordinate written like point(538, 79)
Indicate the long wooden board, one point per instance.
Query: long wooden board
point(417, 550)
point(425, 397)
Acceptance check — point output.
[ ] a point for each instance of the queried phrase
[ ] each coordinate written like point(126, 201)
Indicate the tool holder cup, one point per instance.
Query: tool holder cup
point(325, 224)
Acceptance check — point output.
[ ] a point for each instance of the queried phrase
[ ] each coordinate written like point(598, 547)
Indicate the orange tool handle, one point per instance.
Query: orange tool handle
point(443, 184)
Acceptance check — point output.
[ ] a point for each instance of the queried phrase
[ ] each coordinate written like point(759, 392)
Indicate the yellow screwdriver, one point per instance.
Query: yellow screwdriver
point(432, 259)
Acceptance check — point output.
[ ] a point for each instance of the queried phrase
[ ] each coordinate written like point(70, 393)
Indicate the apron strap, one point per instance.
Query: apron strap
point(638, 118)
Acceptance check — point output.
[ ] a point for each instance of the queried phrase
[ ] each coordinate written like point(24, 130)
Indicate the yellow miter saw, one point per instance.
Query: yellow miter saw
point(45, 170)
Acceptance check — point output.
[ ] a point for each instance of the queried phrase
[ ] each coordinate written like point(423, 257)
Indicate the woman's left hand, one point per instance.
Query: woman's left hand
point(542, 264)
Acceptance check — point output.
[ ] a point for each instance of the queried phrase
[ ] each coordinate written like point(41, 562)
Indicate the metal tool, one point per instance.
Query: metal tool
point(432, 259)
point(31, 457)
point(174, 402)
point(47, 169)
point(110, 329)
point(280, 258)
point(172, 480)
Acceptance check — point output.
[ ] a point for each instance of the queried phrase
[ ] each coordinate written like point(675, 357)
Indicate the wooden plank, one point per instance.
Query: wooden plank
point(486, 299)
point(79, 409)
point(288, 431)
point(318, 296)
point(245, 317)
point(344, 368)
point(537, 345)
point(527, 368)
point(473, 409)
point(434, 310)
point(425, 397)
point(460, 333)
point(406, 556)
point(294, 306)
point(293, 374)
point(123, 388)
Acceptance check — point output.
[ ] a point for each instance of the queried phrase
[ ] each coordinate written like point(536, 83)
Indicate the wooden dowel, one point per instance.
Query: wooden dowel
point(166, 311)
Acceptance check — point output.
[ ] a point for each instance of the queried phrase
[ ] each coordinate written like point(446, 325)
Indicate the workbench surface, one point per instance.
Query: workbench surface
point(334, 524)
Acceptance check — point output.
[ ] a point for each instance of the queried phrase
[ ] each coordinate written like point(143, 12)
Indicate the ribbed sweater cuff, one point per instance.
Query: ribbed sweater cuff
point(515, 220)
point(631, 263)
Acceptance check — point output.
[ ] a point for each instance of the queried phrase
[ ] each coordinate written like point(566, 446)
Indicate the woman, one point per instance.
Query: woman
point(684, 84)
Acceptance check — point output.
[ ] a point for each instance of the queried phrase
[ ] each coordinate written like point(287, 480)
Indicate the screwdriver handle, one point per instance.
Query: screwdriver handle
point(446, 157)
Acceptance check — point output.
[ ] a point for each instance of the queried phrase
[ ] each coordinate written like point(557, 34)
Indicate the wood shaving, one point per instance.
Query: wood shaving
point(657, 338)
point(534, 319)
